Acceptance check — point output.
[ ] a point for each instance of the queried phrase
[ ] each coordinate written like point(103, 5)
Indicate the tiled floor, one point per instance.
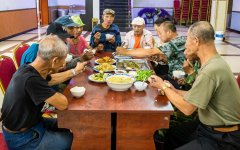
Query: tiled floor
point(230, 50)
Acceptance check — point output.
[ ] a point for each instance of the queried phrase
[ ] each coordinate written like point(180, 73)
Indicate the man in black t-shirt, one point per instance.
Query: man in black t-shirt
point(23, 125)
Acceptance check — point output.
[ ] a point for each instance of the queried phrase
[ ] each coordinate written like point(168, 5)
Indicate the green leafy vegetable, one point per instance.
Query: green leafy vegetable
point(143, 75)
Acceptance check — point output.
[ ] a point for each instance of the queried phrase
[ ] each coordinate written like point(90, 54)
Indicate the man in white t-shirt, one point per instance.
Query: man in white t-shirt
point(138, 37)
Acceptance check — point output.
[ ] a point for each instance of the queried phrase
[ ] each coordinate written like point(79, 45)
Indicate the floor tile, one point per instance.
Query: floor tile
point(228, 50)
point(7, 44)
point(233, 62)
point(23, 37)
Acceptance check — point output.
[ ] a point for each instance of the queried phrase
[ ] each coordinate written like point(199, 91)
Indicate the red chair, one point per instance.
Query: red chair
point(18, 52)
point(238, 80)
point(7, 69)
point(176, 10)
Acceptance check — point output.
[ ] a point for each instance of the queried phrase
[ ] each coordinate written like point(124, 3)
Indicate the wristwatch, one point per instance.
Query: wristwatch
point(165, 86)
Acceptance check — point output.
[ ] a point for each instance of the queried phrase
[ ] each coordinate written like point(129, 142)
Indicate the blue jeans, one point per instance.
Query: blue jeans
point(44, 135)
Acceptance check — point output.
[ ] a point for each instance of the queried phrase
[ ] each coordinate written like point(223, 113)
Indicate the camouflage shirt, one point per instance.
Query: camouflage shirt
point(174, 51)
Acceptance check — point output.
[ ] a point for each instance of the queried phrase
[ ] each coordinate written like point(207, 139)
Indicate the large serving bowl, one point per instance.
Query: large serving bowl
point(119, 82)
point(78, 91)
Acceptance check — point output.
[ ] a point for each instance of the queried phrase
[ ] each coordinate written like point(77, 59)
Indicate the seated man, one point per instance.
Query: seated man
point(57, 28)
point(23, 125)
point(214, 94)
point(172, 49)
point(106, 36)
point(138, 37)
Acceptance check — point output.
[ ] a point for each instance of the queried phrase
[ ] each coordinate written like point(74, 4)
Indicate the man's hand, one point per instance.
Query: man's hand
point(181, 81)
point(112, 40)
point(100, 47)
point(80, 67)
point(188, 67)
point(121, 51)
point(155, 81)
point(87, 56)
point(97, 37)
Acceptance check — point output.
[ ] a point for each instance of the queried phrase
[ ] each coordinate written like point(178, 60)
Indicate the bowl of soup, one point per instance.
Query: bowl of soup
point(119, 82)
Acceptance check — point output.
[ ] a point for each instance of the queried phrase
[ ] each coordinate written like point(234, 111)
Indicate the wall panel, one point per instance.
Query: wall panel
point(17, 21)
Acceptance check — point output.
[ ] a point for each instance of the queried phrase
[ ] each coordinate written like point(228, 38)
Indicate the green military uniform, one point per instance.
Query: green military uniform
point(174, 51)
point(190, 78)
point(216, 94)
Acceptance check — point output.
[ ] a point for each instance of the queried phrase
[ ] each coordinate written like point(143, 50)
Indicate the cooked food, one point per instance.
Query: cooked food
point(105, 60)
point(120, 79)
point(105, 67)
point(131, 65)
point(99, 77)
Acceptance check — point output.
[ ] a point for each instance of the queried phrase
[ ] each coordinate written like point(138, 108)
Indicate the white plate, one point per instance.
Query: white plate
point(96, 61)
point(103, 81)
point(95, 68)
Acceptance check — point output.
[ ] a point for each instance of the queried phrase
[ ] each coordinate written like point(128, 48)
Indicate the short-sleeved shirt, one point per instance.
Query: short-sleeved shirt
point(25, 98)
point(30, 54)
point(77, 49)
point(113, 30)
point(174, 50)
point(145, 39)
point(216, 94)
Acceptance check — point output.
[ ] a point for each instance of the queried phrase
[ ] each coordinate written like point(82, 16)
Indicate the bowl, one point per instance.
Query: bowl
point(78, 91)
point(119, 82)
point(109, 36)
point(140, 86)
point(68, 58)
point(178, 74)
point(119, 71)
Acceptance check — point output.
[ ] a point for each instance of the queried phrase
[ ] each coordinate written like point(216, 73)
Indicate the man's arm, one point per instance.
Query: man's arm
point(178, 101)
point(60, 77)
point(175, 96)
point(58, 100)
point(140, 52)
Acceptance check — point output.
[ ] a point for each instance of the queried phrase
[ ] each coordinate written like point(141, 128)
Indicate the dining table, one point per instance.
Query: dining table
point(104, 119)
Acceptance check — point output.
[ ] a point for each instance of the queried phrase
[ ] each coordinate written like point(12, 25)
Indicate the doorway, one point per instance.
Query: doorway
point(44, 13)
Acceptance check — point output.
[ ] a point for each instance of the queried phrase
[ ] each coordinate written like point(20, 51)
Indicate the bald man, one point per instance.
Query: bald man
point(214, 94)
point(172, 49)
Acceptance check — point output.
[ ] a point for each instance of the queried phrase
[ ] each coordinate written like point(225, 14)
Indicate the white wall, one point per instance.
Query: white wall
point(52, 2)
point(16, 4)
point(236, 5)
point(96, 9)
point(235, 23)
point(71, 2)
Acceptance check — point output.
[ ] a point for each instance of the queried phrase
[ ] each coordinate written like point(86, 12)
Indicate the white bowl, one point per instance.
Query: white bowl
point(140, 86)
point(118, 71)
point(109, 36)
point(68, 58)
point(132, 73)
point(78, 91)
point(119, 86)
point(178, 74)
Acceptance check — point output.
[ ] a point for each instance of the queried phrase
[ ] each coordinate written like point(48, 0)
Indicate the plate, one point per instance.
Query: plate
point(132, 64)
point(120, 56)
point(106, 70)
point(91, 77)
point(113, 61)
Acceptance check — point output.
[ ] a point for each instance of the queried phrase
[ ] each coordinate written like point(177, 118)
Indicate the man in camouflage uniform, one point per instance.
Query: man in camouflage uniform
point(172, 48)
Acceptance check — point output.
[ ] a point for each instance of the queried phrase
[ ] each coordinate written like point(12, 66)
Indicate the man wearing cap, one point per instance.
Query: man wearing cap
point(106, 36)
point(78, 43)
point(58, 28)
point(138, 37)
